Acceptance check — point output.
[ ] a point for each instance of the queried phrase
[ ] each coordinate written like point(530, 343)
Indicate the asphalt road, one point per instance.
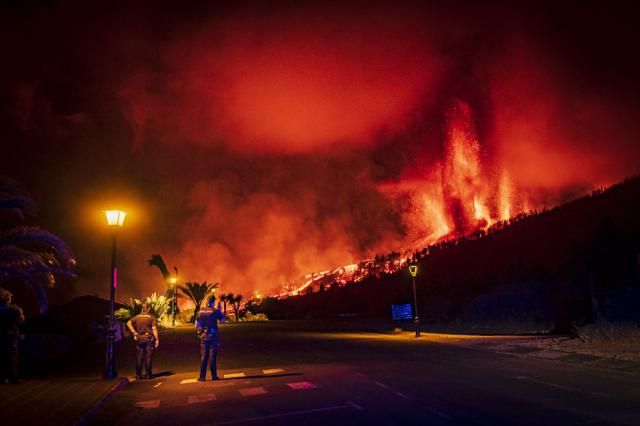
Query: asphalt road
point(304, 373)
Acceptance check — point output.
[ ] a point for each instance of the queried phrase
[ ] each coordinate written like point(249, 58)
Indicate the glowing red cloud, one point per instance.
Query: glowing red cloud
point(551, 136)
point(286, 87)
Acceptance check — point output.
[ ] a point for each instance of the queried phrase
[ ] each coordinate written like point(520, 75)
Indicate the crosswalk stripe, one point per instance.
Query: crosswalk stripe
point(253, 391)
point(187, 381)
point(194, 399)
point(301, 385)
point(148, 404)
point(273, 371)
point(234, 375)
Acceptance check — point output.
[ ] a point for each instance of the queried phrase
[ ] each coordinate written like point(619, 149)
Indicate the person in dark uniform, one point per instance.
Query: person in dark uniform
point(207, 329)
point(144, 328)
point(11, 317)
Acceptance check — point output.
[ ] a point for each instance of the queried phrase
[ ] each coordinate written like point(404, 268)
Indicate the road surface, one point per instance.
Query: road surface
point(302, 373)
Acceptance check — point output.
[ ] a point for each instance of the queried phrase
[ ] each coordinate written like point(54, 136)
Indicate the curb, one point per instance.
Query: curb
point(88, 415)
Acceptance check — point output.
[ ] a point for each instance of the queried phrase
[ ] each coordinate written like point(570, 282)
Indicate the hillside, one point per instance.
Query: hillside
point(556, 266)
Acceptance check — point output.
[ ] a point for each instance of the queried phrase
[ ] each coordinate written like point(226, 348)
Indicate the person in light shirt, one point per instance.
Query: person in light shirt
point(144, 328)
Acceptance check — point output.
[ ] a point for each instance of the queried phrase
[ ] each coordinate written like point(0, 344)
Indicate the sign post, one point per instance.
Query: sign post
point(413, 270)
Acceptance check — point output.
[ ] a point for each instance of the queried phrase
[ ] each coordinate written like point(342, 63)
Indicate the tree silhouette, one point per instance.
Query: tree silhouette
point(197, 293)
point(236, 300)
point(224, 298)
point(157, 261)
point(28, 254)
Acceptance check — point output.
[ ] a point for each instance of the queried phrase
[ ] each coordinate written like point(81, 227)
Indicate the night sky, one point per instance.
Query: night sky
point(255, 142)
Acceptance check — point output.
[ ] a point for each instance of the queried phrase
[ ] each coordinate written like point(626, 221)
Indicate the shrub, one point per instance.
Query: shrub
point(158, 307)
point(186, 315)
point(249, 317)
point(123, 315)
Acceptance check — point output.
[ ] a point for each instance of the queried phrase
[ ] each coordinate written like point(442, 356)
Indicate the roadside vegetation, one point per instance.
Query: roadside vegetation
point(30, 257)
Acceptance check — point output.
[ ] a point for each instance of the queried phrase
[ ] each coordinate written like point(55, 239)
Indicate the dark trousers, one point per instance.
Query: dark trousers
point(144, 355)
point(208, 355)
point(9, 359)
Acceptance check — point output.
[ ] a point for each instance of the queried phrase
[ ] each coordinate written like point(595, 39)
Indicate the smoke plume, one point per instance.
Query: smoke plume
point(273, 141)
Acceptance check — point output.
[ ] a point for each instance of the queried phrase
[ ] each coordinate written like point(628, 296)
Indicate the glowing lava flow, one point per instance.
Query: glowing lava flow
point(458, 197)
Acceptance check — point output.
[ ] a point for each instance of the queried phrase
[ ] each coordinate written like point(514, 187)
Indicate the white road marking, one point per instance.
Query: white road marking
point(157, 384)
point(148, 404)
point(253, 391)
point(195, 399)
point(301, 385)
point(289, 414)
point(234, 375)
point(382, 385)
point(273, 371)
point(187, 381)
point(401, 395)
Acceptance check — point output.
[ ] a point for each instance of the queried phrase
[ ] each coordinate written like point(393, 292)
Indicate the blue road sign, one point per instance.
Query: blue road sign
point(401, 312)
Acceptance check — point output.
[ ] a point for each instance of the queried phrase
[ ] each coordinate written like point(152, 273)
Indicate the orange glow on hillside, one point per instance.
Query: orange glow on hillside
point(459, 196)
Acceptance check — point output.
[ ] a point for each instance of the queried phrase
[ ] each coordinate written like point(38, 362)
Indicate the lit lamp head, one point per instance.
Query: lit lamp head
point(413, 270)
point(115, 218)
point(173, 280)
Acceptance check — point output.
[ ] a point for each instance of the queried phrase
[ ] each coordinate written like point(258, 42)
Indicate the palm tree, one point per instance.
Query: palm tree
point(157, 261)
point(197, 292)
point(28, 254)
point(224, 297)
point(235, 301)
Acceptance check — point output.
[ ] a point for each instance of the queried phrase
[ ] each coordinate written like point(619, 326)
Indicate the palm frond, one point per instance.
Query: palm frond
point(32, 281)
point(187, 292)
point(157, 261)
point(35, 257)
point(29, 254)
point(40, 241)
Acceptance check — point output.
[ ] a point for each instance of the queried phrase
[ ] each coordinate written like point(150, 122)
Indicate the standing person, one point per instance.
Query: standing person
point(207, 329)
point(11, 317)
point(144, 328)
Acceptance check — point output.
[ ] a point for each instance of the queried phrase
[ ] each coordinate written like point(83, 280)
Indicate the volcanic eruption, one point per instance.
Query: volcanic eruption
point(461, 194)
point(263, 142)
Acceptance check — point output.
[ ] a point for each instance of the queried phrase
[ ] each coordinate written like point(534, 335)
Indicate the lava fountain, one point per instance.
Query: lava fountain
point(460, 195)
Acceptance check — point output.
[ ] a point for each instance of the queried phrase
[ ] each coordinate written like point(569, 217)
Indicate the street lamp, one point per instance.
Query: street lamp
point(413, 270)
point(174, 295)
point(115, 220)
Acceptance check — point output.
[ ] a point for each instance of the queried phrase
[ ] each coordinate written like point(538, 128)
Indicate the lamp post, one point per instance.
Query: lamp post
point(413, 270)
point(174, 296)
point(115, 220)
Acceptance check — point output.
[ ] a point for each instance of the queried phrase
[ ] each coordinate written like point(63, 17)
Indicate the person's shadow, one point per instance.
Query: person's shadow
point(163, 374)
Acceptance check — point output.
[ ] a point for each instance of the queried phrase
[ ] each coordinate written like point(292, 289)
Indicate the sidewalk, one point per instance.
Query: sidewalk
point(54, 402)
point(569, 350)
